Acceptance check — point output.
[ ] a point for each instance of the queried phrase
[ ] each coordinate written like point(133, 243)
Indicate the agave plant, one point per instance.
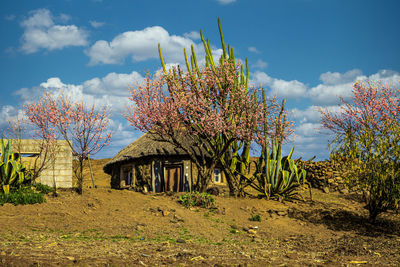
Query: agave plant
point(12, 171)
point(277, 177)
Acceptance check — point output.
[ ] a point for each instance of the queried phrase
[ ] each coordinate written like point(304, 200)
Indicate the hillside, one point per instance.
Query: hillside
point(106, 227)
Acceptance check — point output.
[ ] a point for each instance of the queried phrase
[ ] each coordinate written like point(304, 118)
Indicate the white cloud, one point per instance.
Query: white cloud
point(307, 129)
point(192, 35)
point(253, 50)
point(9, 113)
point(226, 2)
point(141, 45)
point(40, 32)
point(281, 88)
point(110, 90)
point(96, 24)
point(336, 84)
point(64, 18)
point(334, 78)
point(112, 84)
point(260, 64)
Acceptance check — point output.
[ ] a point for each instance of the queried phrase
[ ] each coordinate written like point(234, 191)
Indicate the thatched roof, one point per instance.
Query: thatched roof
point(147, 145)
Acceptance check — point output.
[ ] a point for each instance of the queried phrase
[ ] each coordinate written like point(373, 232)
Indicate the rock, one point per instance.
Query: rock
point(273, 215)
point(325, 189)
point(252, 231)
point(234, 226)
point(71, 258)
point(180, 240)
point(178, 219)
point(152, 209)
point(282, 213)
point(165, 213)
point(140, 228)
point(220, 211)
point(344, 191)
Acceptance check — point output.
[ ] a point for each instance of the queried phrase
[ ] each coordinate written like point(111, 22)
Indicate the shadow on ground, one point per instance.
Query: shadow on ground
point(338, 219)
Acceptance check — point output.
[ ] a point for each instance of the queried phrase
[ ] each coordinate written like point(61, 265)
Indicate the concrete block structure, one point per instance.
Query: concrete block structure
point(60, 172)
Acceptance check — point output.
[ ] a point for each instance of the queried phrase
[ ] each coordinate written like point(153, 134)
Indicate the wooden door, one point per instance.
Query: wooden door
point(173, 177)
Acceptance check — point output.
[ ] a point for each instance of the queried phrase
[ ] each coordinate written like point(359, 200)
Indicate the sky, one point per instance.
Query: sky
point(306, 51)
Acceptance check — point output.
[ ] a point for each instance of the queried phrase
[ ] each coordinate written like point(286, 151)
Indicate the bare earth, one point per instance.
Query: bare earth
point(105, 227)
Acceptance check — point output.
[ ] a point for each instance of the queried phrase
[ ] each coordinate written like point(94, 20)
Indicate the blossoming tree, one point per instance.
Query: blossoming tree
point(84, 128)
point(211, 107)
point(367, 141)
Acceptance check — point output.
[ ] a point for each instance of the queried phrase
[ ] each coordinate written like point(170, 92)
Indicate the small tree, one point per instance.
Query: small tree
point(82, 127)
point(368, 143)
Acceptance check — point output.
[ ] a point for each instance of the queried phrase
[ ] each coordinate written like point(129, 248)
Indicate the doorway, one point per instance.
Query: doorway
point(173, 178)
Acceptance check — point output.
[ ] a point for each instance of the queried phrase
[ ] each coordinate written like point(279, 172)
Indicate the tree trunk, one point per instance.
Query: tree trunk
point(80, 177)
point(233, 186)
point(203, 179)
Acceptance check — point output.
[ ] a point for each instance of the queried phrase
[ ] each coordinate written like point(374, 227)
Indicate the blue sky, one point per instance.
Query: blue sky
point(307, 51)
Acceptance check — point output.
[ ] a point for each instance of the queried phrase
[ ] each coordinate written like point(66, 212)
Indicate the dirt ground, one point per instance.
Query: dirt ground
point(106, 227)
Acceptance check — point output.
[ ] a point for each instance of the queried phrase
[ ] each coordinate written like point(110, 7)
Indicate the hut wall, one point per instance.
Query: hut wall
point(140, 171)
point(143, 170)
point(195, 172)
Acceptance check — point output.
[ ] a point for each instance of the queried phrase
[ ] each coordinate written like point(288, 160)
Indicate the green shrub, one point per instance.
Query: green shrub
point(42, 188)
point(22, 196)
point(255, 218)
point(197, 199)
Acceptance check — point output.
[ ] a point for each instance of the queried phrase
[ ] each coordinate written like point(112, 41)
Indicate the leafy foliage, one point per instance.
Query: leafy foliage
point(42, 188)
point(196, 199)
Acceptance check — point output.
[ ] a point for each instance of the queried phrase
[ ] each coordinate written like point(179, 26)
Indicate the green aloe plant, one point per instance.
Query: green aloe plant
point(277, 177)
point(12, 171)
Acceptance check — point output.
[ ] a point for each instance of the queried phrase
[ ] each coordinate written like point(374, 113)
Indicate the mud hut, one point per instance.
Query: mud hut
point(152, 165)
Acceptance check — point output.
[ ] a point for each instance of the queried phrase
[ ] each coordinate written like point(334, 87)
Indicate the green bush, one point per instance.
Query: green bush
point(255, 218)
point(22, 196)
point(42, 188)
point(197, 199)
